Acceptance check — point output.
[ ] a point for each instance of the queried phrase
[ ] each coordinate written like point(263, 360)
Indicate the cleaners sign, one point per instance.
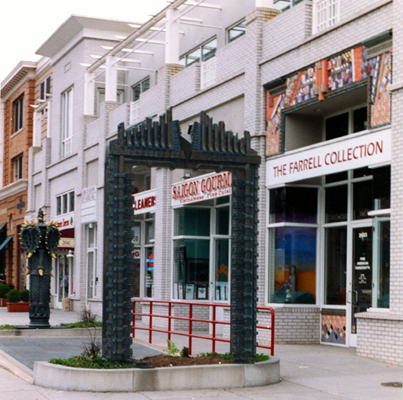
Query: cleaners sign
point(201, 188)
point(144, 202)
point(350, 153)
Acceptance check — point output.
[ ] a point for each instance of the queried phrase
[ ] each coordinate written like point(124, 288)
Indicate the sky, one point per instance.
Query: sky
point(26, 25)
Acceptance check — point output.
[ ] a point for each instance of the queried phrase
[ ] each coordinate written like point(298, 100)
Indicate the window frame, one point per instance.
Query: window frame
point(199, 50)
point(67, 122)
point(273, 226)
point(18, 165)
point(140, 85)
point(18, 114)
point(233, 28)
point(44, 89)
point(91, 248)
point(64, 202)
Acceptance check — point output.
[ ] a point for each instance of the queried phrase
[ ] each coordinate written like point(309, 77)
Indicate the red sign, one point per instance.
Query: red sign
point(144, 202)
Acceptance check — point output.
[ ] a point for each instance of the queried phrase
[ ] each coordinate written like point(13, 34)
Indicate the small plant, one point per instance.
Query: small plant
point(227, 356)
point(79, 324)
point(185, 352)
point(87, 316)
point(25, 295)
point(259, 357)
point(4, 289)
point(7, 327)
point(93, 348)
point(14, 296)
point(172, 349)
point(87, 362)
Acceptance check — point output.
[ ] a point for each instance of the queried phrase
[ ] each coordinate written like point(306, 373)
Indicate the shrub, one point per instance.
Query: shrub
point(87, 316)
point(14, 296)
point(25, 295)
point(4, 289)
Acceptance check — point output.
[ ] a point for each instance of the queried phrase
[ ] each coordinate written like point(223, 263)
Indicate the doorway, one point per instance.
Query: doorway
point(63, 279)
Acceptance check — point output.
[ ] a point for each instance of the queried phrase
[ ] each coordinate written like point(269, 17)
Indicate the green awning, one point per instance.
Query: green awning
point(5, 242)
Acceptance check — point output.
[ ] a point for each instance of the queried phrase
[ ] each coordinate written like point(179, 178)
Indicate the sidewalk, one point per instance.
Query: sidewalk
point(308, 372)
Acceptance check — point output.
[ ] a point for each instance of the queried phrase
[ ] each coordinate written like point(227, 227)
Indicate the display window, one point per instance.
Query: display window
point(292, 245)
point(143, 255)
point(201, 251)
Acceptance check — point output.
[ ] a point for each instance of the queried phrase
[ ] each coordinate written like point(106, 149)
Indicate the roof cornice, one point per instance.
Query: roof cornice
point(16, 76)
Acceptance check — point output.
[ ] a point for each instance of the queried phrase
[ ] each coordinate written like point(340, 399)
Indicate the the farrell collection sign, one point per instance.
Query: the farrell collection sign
point(351, 153)
point(204, 187)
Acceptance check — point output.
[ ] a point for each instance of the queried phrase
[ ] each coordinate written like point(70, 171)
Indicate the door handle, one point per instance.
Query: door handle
point(356, 296)
point(348, 297)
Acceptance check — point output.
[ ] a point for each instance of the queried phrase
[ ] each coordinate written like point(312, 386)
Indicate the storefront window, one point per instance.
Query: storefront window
point(91, 261)
point(383, 273)
point(292, 249)
point(362, 199)
point(336, 204)
point(149, 255)
point(293, 204)
point(336, 266)
point(137, 258)
point(293, 265)
point(381, 188)
point(222, 255)
point(201, 251)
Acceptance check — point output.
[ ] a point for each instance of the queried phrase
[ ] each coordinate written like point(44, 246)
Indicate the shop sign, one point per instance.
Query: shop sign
point(89, 194)
point(65, 222)
point(355, 151)
point(66, 243)
point(202, 188)
point(144, 202)
point(136, 254)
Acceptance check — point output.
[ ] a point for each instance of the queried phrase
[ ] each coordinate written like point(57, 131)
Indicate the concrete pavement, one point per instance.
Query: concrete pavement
point(308, 372)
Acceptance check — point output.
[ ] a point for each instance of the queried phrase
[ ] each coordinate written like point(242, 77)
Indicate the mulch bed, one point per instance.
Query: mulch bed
point(163, 360)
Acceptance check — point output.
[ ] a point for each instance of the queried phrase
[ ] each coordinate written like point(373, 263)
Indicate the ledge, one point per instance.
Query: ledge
point(50, 332)
point(385, 316)
point(175, 378)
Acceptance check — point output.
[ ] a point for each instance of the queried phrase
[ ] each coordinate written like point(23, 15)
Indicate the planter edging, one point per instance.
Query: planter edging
point(175, 378)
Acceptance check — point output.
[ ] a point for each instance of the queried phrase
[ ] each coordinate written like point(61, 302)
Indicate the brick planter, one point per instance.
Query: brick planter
point(18, 307)
point(3, 302)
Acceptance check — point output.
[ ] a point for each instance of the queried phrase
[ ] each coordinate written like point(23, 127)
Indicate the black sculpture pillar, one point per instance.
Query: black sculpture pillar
point(40, 241)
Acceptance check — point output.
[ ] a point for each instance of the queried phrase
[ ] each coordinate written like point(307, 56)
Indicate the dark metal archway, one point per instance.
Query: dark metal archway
point(160, 144)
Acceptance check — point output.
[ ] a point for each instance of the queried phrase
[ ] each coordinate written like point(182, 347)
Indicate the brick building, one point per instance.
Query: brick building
point(20, 96)
point(312, 83)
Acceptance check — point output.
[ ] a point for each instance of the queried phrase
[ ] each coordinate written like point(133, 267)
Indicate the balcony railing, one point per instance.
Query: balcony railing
point(208, 72)
point(326, 13)
point(135, 117)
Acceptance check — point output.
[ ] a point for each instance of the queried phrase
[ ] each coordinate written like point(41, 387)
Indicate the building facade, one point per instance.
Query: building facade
point(312, 83)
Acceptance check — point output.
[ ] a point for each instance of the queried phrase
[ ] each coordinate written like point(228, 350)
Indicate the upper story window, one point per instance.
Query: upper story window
point(284, 5)
point(139, 88)
point(326, 13)
point(65, 203)
point(202, 53)
point(18, 110)
point(45, 89)
point(67, 122)
point(17, 168)
point(235, 31)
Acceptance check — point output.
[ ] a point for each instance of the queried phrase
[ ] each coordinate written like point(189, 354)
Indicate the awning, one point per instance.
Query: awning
point(2, 226)
point(5, 242)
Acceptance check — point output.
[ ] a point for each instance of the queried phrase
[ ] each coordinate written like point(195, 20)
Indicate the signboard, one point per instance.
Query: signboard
point(65, 222)
point(66, 243)
point(136, 254)
point(145, 202)
point(353, 151)
point(89, 194)
point(203, 187)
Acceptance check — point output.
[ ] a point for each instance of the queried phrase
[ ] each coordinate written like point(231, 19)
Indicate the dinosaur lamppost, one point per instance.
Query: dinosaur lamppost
point(40, 241)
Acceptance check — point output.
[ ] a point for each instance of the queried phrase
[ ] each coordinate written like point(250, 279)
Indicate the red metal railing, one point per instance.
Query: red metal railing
point(190, 319)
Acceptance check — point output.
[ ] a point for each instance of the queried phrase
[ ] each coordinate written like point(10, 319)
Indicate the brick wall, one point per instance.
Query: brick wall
point(185, 84)
point(380, 337)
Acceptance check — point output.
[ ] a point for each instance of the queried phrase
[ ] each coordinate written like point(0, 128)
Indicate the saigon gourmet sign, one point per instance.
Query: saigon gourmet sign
point(201, 188)
point(356, 151)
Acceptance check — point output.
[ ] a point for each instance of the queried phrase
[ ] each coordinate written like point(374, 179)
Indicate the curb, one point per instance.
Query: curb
point(223, 376)
point(11, 364)
point(52, 332)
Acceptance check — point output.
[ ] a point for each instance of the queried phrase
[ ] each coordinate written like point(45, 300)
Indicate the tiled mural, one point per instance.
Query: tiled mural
point(333, 328)
point(327, 76)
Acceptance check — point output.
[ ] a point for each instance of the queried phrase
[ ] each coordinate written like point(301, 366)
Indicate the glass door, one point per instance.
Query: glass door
point(62, 279)
point(359, 296)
